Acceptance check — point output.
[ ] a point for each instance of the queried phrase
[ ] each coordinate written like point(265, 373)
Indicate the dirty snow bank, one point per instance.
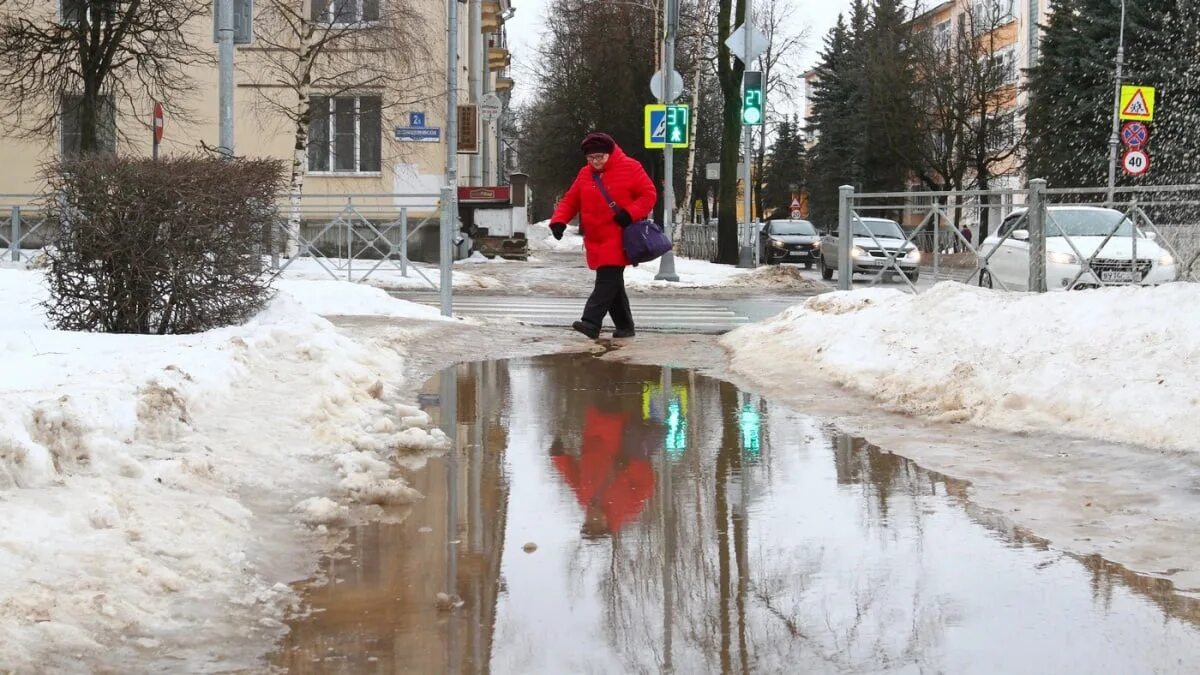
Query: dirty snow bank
point(154, 490)
point(541, 239)
point(1119, 364)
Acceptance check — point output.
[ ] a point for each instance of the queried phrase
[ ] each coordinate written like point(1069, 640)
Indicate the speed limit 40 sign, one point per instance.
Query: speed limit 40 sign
point(1135, 162)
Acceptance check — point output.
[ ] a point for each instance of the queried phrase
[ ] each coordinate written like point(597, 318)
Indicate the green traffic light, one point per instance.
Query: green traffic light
point(752, 98)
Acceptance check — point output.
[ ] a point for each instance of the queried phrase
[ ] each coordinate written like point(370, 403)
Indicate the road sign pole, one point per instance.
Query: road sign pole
point(1116, 119)
point(666, 265)
point(225, 77)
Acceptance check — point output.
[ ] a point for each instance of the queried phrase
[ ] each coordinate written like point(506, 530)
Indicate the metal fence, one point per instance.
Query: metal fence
point(998, 238)
point(351, 236)
point(23, 227)
point(697, 241)
point(348, 236)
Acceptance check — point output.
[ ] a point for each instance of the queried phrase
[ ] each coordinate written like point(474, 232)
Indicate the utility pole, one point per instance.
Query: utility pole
point(225, 83)
point(1115, 140)
point(666, 265)
point(450, 189)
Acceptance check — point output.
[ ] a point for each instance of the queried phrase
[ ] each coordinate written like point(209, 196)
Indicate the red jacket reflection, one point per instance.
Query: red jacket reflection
point(611, 482)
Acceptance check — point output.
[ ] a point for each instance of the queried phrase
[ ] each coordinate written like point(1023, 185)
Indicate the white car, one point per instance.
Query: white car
point(874, 242)
point(1086, 228)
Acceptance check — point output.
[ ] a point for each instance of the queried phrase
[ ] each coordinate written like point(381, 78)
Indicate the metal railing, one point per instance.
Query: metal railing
point(351, 237)
point(697, 241)
point(960, 234)
point(23, 226)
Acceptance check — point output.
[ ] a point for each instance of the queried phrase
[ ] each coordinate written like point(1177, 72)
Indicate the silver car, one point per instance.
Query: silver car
point(874, 240)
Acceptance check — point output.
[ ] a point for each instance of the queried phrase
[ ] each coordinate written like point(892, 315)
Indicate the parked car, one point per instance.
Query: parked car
point(1086, 227)
point(869, 254)
point(793, 241)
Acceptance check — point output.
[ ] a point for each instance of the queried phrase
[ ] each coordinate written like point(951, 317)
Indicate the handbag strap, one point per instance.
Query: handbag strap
point(607, 197)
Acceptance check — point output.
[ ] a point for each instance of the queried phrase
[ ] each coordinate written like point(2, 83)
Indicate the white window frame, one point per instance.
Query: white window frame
point(331, 137)
point(984, 11)
point(331, 14)
point(943, 34)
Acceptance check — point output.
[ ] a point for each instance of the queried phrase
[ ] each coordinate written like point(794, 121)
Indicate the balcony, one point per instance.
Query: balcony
point(504, 83)
point(498, 58)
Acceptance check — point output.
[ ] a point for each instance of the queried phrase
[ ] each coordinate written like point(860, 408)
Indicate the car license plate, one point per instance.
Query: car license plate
point(796, 254)
point(1118, 275)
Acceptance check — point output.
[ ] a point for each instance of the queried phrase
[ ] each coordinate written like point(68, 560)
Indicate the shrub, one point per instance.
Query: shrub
point(158, 247)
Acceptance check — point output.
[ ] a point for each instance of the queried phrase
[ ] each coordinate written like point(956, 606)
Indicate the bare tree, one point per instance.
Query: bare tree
point(329, 49)
point(730, 14)
point(966, 97)
point(781, 74)
point(91, 61)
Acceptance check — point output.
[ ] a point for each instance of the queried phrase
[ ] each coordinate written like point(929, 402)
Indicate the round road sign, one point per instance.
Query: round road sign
point(1135, 135)
point(158, 122)
point(1136, 162)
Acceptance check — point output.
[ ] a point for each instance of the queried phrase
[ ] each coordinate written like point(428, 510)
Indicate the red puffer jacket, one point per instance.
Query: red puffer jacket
point(631, 189)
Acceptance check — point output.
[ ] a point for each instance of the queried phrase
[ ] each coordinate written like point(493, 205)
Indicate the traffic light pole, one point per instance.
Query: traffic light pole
point(746, 251)
point(666, 264)
point(450, 189)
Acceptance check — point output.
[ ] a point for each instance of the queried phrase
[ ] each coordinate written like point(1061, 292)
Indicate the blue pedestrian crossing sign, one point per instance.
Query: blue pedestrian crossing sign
point(663, 121)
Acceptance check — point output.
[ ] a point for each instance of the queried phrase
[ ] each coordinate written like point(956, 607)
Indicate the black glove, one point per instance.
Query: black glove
point(622, 217)
point(557, 230)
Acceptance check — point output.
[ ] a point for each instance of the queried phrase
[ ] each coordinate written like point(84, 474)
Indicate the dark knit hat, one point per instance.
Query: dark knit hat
point(597, 142)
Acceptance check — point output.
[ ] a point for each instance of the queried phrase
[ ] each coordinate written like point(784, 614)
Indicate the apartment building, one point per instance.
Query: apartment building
point(382, 136)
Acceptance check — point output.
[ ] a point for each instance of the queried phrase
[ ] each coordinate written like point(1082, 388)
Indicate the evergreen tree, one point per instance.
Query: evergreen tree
point(1069, 120)
point(784, 170)
point(835, 122)
point(888, 113)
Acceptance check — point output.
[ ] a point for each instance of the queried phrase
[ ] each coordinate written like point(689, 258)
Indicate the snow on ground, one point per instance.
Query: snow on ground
point(155, 490)
point(387, 275)
point(329, 297)
point(541, 239)
point(1118, 364)
point(703, 274)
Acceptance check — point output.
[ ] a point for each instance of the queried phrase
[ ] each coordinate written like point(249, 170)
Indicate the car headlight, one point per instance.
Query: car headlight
point(816, 244)
point(857, 252)
point(913, 254)
point(1166, 259)
point(775, 243)
point(1060, 258)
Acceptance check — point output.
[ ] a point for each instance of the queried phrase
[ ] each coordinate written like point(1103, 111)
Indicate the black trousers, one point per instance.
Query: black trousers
point(608, 297)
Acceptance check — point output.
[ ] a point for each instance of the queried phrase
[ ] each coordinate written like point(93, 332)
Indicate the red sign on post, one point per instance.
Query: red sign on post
point(158, 123)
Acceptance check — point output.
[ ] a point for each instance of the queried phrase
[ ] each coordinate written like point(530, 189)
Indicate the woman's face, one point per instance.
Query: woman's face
point(597, 160)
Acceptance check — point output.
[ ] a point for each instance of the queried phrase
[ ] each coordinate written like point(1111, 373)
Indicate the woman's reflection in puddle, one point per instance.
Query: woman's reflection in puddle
point(610, 472)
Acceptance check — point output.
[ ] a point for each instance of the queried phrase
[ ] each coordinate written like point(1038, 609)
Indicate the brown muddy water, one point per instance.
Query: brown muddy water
point(599, 517)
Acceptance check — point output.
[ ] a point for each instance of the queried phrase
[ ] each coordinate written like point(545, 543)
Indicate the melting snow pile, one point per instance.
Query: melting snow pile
point(1119, 364)
point(155, 491)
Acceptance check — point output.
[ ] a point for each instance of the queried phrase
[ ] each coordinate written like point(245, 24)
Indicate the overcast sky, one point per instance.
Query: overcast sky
point(527, 25)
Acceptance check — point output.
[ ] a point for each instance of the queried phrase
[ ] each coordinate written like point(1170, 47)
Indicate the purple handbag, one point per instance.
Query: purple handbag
point(644, 240)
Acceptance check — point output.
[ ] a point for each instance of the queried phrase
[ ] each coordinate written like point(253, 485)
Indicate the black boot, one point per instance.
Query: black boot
point(623, 333)
point(588, 329)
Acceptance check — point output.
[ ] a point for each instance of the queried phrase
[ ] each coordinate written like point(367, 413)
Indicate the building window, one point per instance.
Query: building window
point(345, 134)
point(941, 35)
point(71, 132)
point(988, 15)
point(1002, 134)
point(1001, 67)
point(75, 11)
point(345, 11)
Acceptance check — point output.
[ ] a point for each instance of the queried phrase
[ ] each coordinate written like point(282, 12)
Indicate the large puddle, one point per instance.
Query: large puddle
point(599, 517)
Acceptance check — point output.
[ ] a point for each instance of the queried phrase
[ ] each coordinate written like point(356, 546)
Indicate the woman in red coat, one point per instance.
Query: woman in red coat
point(633, 197)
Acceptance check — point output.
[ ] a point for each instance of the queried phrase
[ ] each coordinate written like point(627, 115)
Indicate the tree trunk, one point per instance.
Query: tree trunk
point(307, 58)
point(730, 74)
point(88, 115)
point(689, 180)
point(756, 175)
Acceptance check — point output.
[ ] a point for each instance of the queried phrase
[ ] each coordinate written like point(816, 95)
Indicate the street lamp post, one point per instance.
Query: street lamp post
point(1114, 141)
